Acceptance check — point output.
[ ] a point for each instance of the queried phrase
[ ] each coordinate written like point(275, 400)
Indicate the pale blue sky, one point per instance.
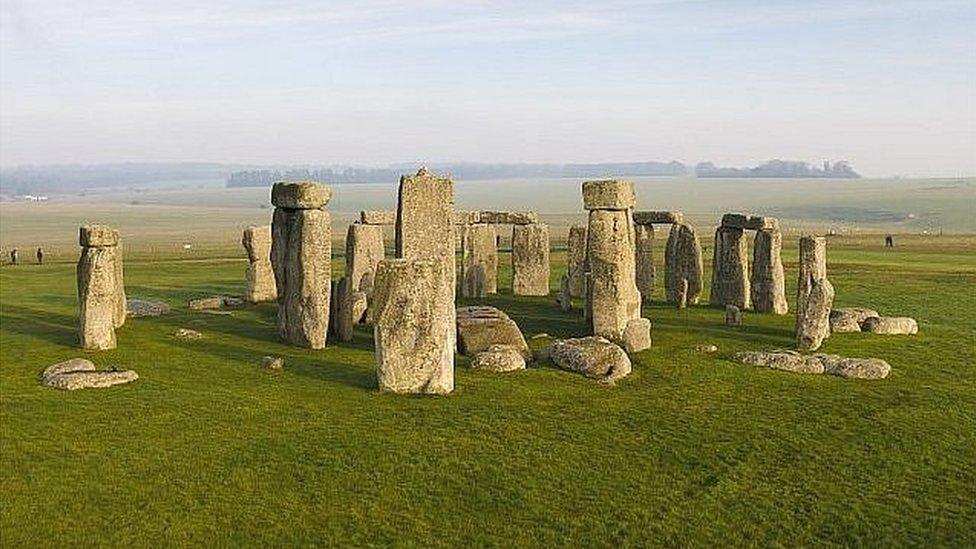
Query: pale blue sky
point(888, 85)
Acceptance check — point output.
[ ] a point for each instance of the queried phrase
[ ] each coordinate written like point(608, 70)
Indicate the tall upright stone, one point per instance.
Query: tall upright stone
point(259, 279)
point(730, 269)
point(768, 287)
point(644, 259)
point(364, 251)
point(682, 266)
point(613, 301)
point(576, 260)
point(530, 259)
point(814, 295)
point(301, 256)
point(479, 260)
point(100, 286)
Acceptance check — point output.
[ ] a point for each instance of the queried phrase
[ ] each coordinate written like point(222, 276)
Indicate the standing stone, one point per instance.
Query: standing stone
point(364, 251)
point(768, 286)
point(613, 302)
point(425, 222)
point(343, 320)
point(530, 259)
point(730, 269)
point(120, 311)
point(683, 266)
point(479, 260)
point(576, 260)
point(815, 295)
point(260, 282)
point(98, 286)
point(644, 260)
point(413, 327)
point(565, 298)
point(301, 256)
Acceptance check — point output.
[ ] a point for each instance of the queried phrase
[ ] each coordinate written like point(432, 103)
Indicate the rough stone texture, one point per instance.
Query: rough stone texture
point(479, 260)
point(730, 269)
point(480, 327)
point(300, 195)
point(734, 221)
point(508, 218)
point(892, 325)
point(499, 358)
point(594, 356)
point(768, 285)
point(97, 236)
point(705, 348)
point(733, 316)
point(815, 295)
point(564, 299)
point(358, 305)
point(97, 297)
point(272, 363)
point(413, 327)
point(644, 260)
point(819, 363)
point(343, 320)
point(186, 333)
point(761, 223)
point(364, 251)
point(301, 255)
point(530, 259)
point(425, 223)
point(212, 303)
point(855, 368)
point(662, 217)
point(466, 217)
point(612, 296)
point(683, 266)
point(637, 335)
point(79, 373)
point(136, 308)
point(609, 194)
point(377, 217)
point(849, 319)
point(119, 313)
point(576, 260)
point(260, 282)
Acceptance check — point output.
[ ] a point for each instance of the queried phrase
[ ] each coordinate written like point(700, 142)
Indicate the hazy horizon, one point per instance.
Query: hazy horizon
point(890, 88)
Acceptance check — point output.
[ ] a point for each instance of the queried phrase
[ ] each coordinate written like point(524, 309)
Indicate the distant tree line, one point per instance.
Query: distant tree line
point(66, 178)
point(780, 168)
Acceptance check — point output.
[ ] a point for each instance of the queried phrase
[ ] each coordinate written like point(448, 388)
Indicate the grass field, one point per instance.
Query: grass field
point(206, 448)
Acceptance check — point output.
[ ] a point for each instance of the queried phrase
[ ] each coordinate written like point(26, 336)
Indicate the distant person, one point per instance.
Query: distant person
point(13, 256)
point(889, 241)
point(40, 256)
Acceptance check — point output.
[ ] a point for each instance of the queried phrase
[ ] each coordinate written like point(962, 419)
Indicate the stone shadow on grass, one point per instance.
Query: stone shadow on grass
point(56, 328)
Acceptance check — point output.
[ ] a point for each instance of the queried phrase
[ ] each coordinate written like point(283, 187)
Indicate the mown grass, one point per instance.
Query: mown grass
point(206, 448)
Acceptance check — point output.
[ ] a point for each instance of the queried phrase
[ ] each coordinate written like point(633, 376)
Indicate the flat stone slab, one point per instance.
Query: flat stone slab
point(849, 319)
point(186, 333)
point(136, 308)
point(480, 327)
point(608, 194)
point(508, 218)
point(80, 373)
point(819, 363)
point(655, 217)
point(300, 195)
point(499, 358)
point(594, 357)
point(751, 223)
point(98, 236)
point(213, 303)
point(890, 325)
point(377, 217)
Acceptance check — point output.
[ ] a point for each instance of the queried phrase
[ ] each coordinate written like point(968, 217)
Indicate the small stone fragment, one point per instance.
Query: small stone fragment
point(186, 333)
point(136, 308)
point(637, 335)
point(499, 358)
point(849, 319)
point(593, 356)
point(705, 348)
point(272, 363)
point(890, 325)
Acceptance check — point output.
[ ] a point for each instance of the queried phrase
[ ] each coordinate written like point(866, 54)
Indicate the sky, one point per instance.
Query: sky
point(889, 86)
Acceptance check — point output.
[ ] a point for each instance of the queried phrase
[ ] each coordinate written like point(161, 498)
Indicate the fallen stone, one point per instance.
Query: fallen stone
point(654, 217)
point(70, 365)
point(499, 358)
point(213, 303)
point(377, 217)
point(781, 359)
point(79, 373)
point(508, 218)
point(705, 348)
point(136, 308)
point(186, 333)
point(480, 327)
point(272, 363)
point(855, 368)
point(733, 316)
point(849, 319)
point(300, 195)
point(890, 325)
point(593, 356)
point(609, 194)
point(637, 335)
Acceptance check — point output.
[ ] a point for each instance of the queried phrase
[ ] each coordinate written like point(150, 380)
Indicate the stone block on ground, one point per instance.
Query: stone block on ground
point(637, 335)
point(609, 194)
point(787, 360)
point(480, 327)
point(300, 195)
point(186, 333)
point(499, 358)
point(136, 308)
point(855, 368)
point(272, 363)
point(79, 373)
point(890, 325)
point(849, 319)
point(593, 356)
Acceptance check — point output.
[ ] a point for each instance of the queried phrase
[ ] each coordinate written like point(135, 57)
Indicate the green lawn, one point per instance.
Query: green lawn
point(206, 448)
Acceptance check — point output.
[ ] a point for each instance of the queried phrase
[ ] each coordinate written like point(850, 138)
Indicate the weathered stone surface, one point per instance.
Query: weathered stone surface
point(849, 319)
point(733, 316)
point(97, 236)
point(683, 266)
point(508, 218)
point(593, 356)
point(364, 251)
point(119, 314)
point(530, 259)
point(499, 358)
point(272, 363)
point(259, 278)
point(637, 335)
point(358, 305)
point(609, 194)
point(705, 348)
point(730, 269)
point(480, 327)
point(300, 195)
point(644, 260)
point(781, 359)
point(663, 217)
point(212, 303)
point(97, 297)
point(479, 260)
point(734, 221)
point(564, 299)
point(413, 327)
point(186, 333)
point(467, 217)
point(377, 217)
point(815, 295)
point(892, 325)
point(79, 373)
point(612, 300)
point(761, 223)
point(855, 368)
point(768, 285)
point(136, 308)
point(301, 256)
point(576, 260)
point(425, 223)
point(343, 319)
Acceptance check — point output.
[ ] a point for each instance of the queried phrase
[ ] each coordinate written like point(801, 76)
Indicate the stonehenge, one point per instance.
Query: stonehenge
point(763, 291)
point(576, 260)
point(364, 251)
point(819, 363)
point(594, 357)
point(259, 280)
point(768, 285)
point(480, 327)
point(530, 259)
point(613, 303)
point(101, 288)
point(81, 373)
point(730, 269)
point(815, 295)
point(682, 266)
point(644, 259)
point(301, 255)
point(479, 260)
